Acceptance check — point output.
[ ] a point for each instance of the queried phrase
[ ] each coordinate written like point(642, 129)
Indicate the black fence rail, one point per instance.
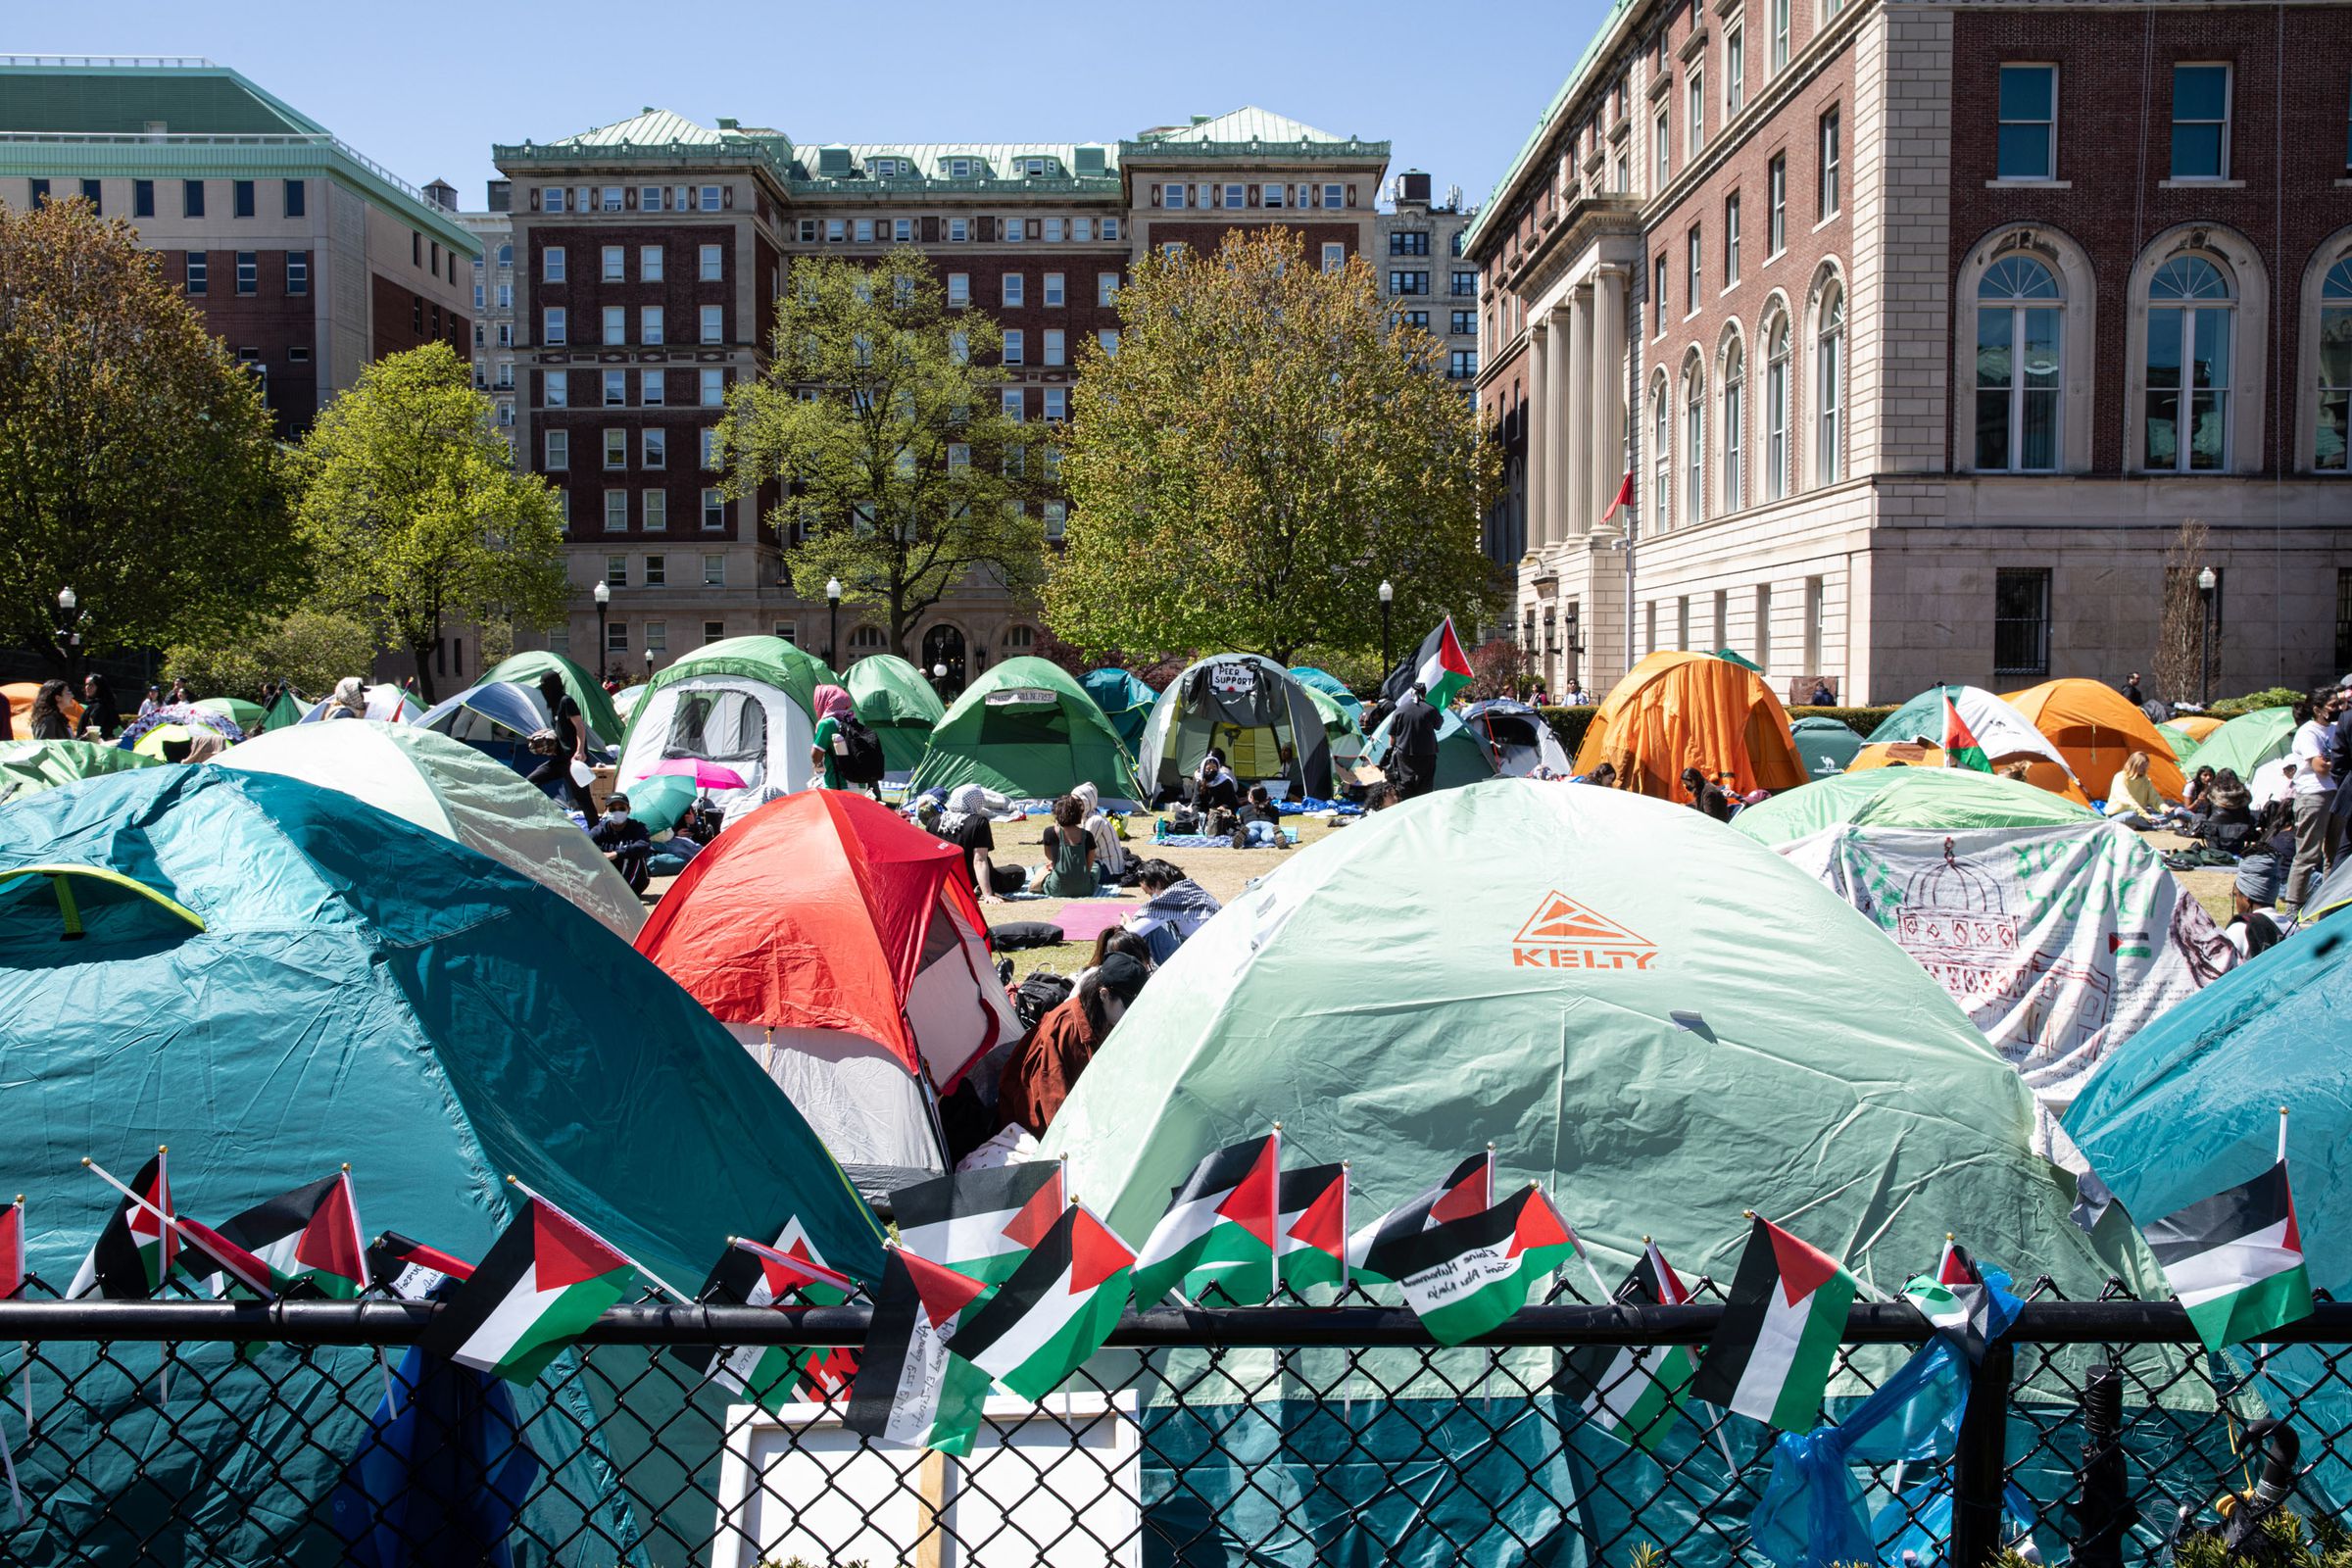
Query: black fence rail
point(195, 1431)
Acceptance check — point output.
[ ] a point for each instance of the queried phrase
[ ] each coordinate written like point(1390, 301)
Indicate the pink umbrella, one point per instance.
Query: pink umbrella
point(707, 775)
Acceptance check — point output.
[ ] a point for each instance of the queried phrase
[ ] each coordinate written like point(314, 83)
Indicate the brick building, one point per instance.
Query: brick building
point(648, 257)
point(1428, 280)
point(1888, 305)
point(306, 257)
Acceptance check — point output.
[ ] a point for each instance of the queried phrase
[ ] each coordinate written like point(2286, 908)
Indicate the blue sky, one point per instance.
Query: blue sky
point(426, 89)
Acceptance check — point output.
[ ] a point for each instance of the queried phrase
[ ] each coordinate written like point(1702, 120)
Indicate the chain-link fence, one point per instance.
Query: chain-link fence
point(196, 1432)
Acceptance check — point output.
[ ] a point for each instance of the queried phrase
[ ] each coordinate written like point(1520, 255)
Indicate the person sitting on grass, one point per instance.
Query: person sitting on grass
point(627, 846)
point(1069, 868)
point(1110, 855)
point(1262, 825)
point(1174, 908)
point(2131, 797)
point(1043, 1068)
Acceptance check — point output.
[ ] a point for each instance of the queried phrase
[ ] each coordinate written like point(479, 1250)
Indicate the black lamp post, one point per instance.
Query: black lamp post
point(603, 595)
point(939, 679)
point(649, 664)
point(1388, 591)
point(2206, 583)
point(69, 628)
point(833, 622)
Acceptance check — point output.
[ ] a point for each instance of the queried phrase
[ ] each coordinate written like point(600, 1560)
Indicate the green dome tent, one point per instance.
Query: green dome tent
point(1494, 738)
point(1246, 706)
point(1823, 744)
point(1948, 800)
point(743, 703)
point(596, 704)
point(2244, 743)
point(449, 788)
point(897, 704)
point(1125, 700)
point(1331, 686)
point(285, 709)
point(236, 710)
point(27, 767)
point(1027, 729)
point(292, 979)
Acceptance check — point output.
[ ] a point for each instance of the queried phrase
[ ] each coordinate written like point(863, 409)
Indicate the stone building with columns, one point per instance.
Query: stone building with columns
point(1921, 327)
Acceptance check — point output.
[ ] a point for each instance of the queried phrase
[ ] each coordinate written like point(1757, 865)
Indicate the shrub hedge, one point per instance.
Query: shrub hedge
point(1570, 724)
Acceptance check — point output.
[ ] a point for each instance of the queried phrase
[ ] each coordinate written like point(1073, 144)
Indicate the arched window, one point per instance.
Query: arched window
point(1829, 389)
point(1020, 638)
point(1662, 448)
point(1734, 391)
point(1694, 445)
point(2335, 369)
point(2186, 428)
point(1775, 409)
point(2018, 337)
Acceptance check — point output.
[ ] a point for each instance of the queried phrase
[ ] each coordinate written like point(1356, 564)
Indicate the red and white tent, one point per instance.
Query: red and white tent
point(843, 947)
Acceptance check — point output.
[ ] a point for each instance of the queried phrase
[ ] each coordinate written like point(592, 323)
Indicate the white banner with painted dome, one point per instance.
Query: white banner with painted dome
point(2059, 943)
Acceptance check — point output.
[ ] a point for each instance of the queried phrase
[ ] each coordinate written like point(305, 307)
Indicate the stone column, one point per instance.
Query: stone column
point(1609, 391)
point(1561, 422)
point(1539, 427)
point(1576, 511)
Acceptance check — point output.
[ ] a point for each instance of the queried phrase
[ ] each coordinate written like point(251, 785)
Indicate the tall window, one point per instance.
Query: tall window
point(2187, 423)
point(2200, 121)
point(1657, 297)
point(2029, 140)
point(1776, 205)
point(2021, 621)
point(1775, 409)
point(1827, 199)
point(1780, 35)
point(1734, 391)
point(2017, 367)
point(1731, 239)
point(1661, 461)
point(1829, 388)
point(1694, 450)
point(1735, 69)
point(1694, 133)
point(1661, 154)
point(2336, 368)
point(1691, 282)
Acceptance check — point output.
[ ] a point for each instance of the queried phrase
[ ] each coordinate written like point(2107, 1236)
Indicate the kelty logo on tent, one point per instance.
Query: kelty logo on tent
point(1562, 934)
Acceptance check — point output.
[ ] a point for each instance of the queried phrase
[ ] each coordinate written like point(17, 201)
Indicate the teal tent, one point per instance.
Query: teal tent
point(1732, 656)
point(26, 767)
point(1027, 729)
point(1125, 700)
point(1331, 686)
point(285, 709)
point(596, 704)
point(1494, 738)
point(897, 702)
point(1823, 744)
point(2244, 743)
point(1947, 800)
point(275, 978)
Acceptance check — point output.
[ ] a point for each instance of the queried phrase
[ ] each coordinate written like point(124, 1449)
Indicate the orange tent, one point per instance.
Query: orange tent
point(1906, 754)
point(2196, 726)
point(2096, 730)
point(1676, 711)
point(19, 696)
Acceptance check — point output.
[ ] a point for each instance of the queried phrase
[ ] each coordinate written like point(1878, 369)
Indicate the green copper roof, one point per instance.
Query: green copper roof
point(1247, 124)
point(1247, 131)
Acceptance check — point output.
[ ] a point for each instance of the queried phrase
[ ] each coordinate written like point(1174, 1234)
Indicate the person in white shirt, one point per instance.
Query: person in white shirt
point(2314, 795)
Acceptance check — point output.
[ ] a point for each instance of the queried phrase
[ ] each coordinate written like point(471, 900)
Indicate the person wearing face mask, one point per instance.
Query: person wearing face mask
point(1043, 1069)
point(626, 843)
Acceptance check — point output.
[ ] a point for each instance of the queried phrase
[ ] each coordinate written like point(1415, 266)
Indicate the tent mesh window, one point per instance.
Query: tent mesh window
point(720, 726)
point(190, 1431)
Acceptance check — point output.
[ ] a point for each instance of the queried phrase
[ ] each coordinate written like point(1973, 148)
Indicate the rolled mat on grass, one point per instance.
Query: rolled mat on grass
point(1015, 934)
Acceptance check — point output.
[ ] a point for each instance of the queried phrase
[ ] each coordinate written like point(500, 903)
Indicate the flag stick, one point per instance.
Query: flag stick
point(1274, 1231)
point(2281, 1135)
point(171, 1223)
point(8, 1462)
point(1345, 1235)
point(1490, 1173)
point(536, 1197)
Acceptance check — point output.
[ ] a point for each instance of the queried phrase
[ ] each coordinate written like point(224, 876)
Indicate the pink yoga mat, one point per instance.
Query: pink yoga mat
point(1084, 919)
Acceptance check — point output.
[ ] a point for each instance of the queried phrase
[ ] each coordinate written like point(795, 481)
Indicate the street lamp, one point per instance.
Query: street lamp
point(1388, 592)
point(832, 621)
point(938, 678)
point(649, 664)
point(2207, 581)
point(603, 594)
point(69, 625)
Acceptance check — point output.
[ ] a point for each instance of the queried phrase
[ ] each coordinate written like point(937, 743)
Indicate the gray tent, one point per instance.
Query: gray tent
point(1251, 709)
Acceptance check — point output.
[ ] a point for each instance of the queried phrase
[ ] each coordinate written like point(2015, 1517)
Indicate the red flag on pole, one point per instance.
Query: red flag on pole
point(1625, 496)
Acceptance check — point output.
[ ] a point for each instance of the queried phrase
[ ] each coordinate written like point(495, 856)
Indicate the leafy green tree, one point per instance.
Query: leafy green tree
point(881, 420)
point(312, 648)
point(137, 463)
point(419, 522)
point(1263, 448)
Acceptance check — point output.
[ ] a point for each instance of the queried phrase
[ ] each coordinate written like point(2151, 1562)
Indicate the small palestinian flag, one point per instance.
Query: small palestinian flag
point(1634, 1393)
point(310, 1238)
point(1772, 1355)
point(1313, 1231)
point(904, 1368)
point(1042, 1323)
point(826, 1371)
point(1470, 1190)
point(205, 1253)
point(12, 1249)
point(1439, 665)
point(134, 1253)
point(748, 1274)
point(545, 1281)
point(980, 1222)
point(407, 1268)
point(1220, 1227)
point(1960, 748)
point(2235, 1260)
point(1962, 1304)
point(1467, 1276)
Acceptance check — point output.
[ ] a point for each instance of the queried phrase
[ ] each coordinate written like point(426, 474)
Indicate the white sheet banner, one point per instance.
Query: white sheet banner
point(2059, 943)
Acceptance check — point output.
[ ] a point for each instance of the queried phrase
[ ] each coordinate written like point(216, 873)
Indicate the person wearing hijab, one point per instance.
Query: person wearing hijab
point(1110, 857)
point(1043, 1069)
point(832, 704)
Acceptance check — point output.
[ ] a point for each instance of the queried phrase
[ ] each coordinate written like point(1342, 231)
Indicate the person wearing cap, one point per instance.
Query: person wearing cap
point(627, 846)
point(2254, 923)
point(564, 717)
point(1043, 1069)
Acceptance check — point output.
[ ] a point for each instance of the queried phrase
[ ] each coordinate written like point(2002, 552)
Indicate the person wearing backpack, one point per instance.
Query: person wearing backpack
point(829, 746)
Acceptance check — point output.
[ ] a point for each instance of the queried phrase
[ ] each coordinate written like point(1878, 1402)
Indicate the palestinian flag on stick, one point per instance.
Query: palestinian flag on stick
point(134, 1253)
point(1220, 1227)
point(205, 1252)
point(1468, 1191)
point(1772, 1355)
point(12, 1249)
point(1042, 1323)
point(1312, 1233)
point(902, 1370)
point(2235, 1259)
point(1439, 665)
point(1466, 1277)
point(310, 1238)
point(980, 1222)
point(1634, 1392)
point(1960, 748)
point(545, 1281)
point(1962, 1304)
point(407, 1268)
point(748, 1274)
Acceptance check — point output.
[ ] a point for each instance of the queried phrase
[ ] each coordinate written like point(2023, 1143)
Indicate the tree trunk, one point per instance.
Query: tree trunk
point(423, 654)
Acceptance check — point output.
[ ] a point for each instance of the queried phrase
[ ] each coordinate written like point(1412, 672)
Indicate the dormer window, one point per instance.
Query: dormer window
point(959, 168)
point(885, 168)
point(1033, 166)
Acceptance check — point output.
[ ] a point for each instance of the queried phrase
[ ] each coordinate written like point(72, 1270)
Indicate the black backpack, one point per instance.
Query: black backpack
point(1039, 995)
point(858, 751)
